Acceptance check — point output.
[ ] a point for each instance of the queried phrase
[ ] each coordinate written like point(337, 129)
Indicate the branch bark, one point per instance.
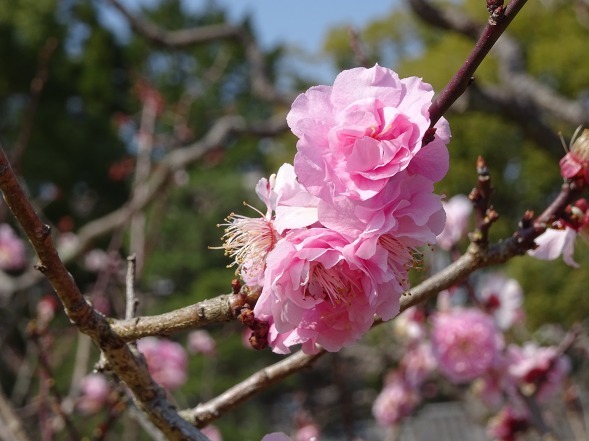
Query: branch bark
point(150, 397)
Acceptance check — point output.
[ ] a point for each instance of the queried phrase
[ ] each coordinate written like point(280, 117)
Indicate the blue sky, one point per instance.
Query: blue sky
point(303, 23)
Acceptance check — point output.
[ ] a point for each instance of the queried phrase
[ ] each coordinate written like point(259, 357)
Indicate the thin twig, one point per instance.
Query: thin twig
point(132, 302)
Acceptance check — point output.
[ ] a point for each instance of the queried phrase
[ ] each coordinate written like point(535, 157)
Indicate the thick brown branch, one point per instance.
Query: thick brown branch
point(150, 397)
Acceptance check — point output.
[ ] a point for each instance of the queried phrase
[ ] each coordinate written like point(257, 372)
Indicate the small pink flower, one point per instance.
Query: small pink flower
point(395, 402)
point(502, 298)
point(94, 391)
point(317, 290)
point(458, 211)
point(249, 240)
point(357, 134)
point(12, 250)
point(212, 432)
point(418, 363)
point(410, 324)
point(560, 241)
point(576, 161)
point(201, 342)
point(540, 371)
point(465, 343)
point(166, 360)
point(308, 432)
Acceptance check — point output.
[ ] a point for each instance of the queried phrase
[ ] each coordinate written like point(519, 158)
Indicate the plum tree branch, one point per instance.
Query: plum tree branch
point(489, 36)
point(517, 87)
point(150, 397)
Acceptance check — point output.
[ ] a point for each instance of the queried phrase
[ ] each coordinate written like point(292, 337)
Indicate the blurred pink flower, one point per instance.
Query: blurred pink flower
point(357, 134)
point(502, 298)
point(410, 324)
point(395, 402)
point(458, 210)
point(94, 391)
point(318, 290)
point(200, 341)
point(540, 371)
point(465, 343)
point(309, 432)
point(12, 249)
point(212, 432)
point(418, 363)
point(560, 241)
point(507, 424)
point(576, 161)
point(166, 360)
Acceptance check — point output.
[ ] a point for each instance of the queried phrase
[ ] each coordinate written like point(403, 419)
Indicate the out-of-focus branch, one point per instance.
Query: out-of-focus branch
point(11, 427)
point(177, 160)
point(150, 397)
point(207, 412)
point(261, 85)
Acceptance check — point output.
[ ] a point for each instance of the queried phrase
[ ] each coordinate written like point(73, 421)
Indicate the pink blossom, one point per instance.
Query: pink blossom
point(318, 290)
point(308, 432)
point(465, 343)
point(458, 211)
point(12, 249)
point(560, 240)
point(249, 240)
point(576, 161)
point(395, 402)
point(212, 432)
point(166, 360)
point(502, 298)
point(418, 363)
point(410, 324)
point(357, 134)
point(200, 341)
point(405, 207)
point(540, 371)
point(94, 391)
point(507, 424)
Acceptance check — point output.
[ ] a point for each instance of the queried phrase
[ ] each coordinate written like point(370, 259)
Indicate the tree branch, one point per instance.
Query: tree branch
point(149, 396)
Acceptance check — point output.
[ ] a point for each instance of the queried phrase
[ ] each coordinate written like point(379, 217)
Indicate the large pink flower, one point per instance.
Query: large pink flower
point(357, 134)
point(317, 290)
point(405, 207)
point(249, 240)
point(465, 343)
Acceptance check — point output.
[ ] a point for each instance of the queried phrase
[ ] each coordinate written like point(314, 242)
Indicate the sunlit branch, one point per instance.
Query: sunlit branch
point(150, 397)
point(207, 412)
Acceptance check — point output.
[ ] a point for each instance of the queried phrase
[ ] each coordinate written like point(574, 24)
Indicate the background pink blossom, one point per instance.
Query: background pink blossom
point(465, 343)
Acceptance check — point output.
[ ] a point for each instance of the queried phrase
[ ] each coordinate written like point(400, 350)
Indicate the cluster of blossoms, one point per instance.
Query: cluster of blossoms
point(466, 345)
point(342, 225)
